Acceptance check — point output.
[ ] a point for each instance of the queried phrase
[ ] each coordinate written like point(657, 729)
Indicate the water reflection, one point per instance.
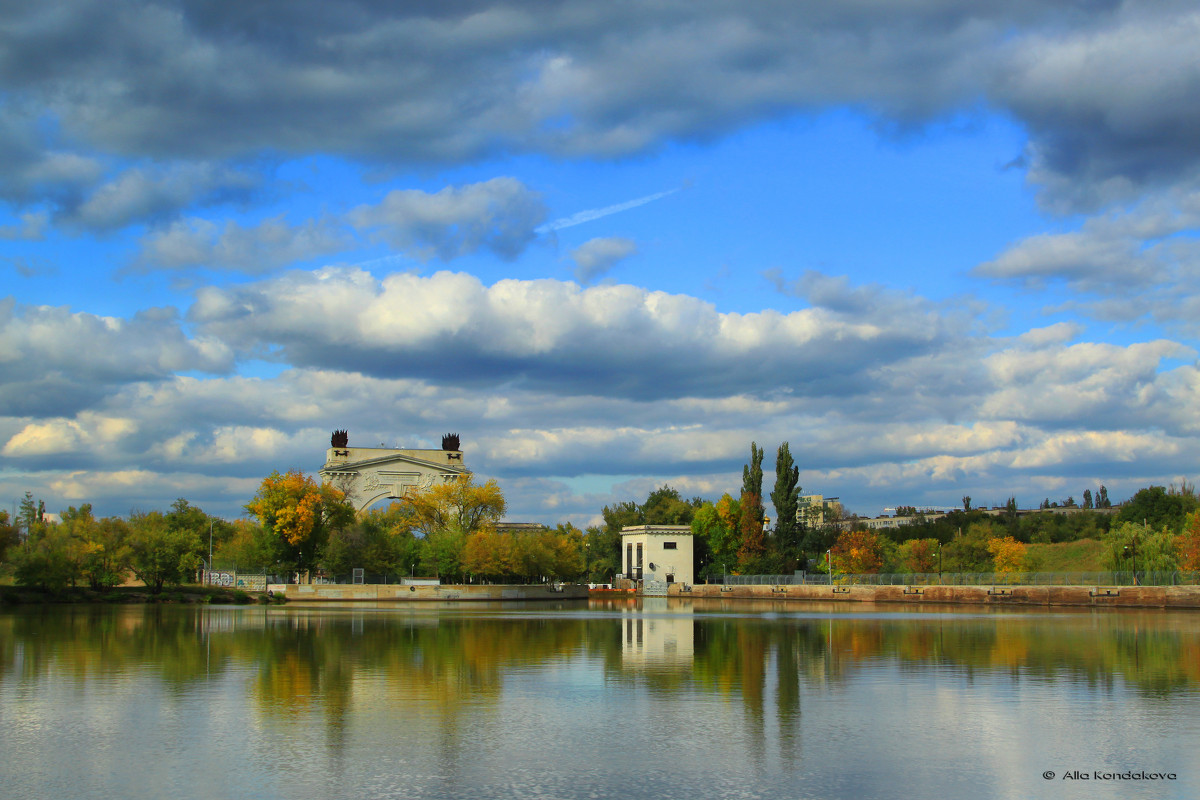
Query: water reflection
point(458, 688)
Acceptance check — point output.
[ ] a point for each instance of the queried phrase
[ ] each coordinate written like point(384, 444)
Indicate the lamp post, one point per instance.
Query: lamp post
point(829, 565)
point(1131, 552)
point(210, 526)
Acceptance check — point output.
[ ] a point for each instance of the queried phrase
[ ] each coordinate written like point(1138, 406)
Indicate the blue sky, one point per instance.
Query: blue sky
point(940, 250)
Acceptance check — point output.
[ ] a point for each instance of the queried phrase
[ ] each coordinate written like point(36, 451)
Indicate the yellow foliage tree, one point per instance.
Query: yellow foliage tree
point(1008, 555)
point(1187, 543)
point(857, 552)
point(300, 513)
point(447, 515)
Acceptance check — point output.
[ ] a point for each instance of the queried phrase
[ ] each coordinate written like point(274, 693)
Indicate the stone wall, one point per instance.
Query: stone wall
point(1094, 596)
point(349, 592)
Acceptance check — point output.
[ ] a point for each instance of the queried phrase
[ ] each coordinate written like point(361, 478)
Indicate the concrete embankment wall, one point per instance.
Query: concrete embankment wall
point(1094, 596)
point(405, 594)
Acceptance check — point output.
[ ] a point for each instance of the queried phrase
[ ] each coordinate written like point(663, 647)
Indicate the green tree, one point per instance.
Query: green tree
point(249, 547)
point(752, 477)
point(1134, 547)
point(786, 498)
point(10, 535)
point(1087, 498)
point(104, 554)
point(159, 554)
point(1157, 508)
point(48, 558)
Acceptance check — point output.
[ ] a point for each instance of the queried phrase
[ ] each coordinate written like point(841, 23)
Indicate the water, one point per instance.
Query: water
point(652, 699)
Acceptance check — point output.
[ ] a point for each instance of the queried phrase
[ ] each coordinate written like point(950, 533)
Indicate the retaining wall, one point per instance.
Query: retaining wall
point(1096, 596)
point(373, 592)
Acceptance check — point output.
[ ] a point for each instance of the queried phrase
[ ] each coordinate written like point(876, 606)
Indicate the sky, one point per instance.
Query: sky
point(941, 248)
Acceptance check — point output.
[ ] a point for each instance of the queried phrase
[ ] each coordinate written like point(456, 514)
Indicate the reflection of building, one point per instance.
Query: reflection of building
point(657, 553)
point(658, 638)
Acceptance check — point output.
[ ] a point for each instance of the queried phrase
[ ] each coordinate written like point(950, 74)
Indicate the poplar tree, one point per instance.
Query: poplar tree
point(786, 498)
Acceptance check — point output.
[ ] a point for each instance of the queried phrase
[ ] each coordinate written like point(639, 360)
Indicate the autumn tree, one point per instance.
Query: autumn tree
point(919, 555)
point(1008, 555)
point(300, 514)
point(1187, 543)
point(446, 514)
point(716, 534)
point(857, 552)
point(786, 498)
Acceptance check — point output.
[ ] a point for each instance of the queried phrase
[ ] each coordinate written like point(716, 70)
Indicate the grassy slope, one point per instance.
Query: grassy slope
point(1084, 555)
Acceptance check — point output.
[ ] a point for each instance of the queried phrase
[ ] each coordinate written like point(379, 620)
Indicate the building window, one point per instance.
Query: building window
point(639, 556)
point(668, 545)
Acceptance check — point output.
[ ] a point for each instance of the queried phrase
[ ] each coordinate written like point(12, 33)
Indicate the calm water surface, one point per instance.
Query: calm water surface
point(649, 699)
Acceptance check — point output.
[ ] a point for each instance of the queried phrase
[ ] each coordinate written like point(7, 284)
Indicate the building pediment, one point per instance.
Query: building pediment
point(369, 474)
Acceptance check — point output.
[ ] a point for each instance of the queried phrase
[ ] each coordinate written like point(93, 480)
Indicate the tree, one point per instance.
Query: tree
point(1158, 508)
point(1087, 498)
point(10, 535)
point(300, 513)
point(1134, 547)
point(786, 498)
point(446, 514)
point(48, 558)
point(857, 552)
point(1008, 555)
point(1102, 500)
point(918, 555)
point(160, 554)
point(1187, 543)
point(966, 502)
point(30, 515)
point(248, 547)
point(104, 554)
point(752, 476)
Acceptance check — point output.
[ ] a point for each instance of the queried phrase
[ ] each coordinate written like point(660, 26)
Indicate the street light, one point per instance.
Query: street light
point(1131, 551)
point(829, 565)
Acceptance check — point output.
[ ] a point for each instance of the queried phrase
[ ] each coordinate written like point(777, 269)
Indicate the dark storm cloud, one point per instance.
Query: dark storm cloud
point(1108, 90)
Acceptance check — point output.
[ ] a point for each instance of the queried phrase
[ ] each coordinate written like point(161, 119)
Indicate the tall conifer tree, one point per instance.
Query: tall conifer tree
point(786, 497)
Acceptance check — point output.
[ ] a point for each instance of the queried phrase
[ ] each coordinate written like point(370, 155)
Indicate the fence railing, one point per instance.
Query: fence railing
point(1141, 578)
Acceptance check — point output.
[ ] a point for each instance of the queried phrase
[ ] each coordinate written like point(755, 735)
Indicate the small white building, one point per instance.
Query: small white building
point(658, 553)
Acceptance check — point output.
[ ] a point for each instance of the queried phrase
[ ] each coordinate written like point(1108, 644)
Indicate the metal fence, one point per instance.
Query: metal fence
point(1172, 578)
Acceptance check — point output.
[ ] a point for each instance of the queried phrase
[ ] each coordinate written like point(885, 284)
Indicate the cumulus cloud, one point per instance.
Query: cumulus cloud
point(500, 215)
point(622, 340)
point(253, 249)
point(54, 362)
point(596, 257)
point(143, 194)
point(1107, 89)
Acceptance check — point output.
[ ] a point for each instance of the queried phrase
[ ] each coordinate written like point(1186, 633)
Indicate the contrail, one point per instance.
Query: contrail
point(596, 213)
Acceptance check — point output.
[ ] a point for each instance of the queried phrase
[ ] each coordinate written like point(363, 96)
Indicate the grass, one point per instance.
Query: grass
point(1084, 555)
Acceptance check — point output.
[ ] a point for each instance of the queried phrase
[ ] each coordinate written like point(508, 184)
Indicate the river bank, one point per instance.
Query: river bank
point(129, 595)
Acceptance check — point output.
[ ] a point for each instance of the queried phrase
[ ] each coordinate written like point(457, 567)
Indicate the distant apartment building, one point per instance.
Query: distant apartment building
point(812, 509)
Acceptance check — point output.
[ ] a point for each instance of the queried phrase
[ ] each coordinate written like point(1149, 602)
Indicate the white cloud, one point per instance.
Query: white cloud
point(596, 257)
point(499, 215)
